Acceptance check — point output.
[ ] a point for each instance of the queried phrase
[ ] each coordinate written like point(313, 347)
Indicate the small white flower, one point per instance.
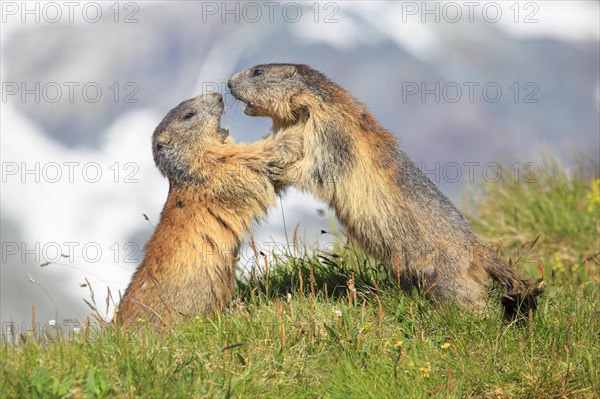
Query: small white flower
point(338, 313)
point(289, 297)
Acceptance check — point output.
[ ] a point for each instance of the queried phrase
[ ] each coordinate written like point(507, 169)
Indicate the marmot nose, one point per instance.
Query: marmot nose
point(229, 84)
point(217, 96)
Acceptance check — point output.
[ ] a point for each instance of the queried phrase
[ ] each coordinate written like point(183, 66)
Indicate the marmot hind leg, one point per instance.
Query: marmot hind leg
point(464, 285)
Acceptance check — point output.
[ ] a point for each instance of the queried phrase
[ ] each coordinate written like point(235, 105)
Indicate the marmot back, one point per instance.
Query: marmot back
point(384, 201)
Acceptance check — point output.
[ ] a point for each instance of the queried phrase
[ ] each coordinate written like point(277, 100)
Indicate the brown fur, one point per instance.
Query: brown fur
point(380, 196)
point(217, 189)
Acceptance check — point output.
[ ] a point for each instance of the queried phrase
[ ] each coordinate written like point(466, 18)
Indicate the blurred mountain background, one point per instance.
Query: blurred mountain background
point(547, 71)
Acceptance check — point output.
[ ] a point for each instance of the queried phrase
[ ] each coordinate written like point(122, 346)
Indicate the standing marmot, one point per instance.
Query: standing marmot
point(217, 189)
point(384, 201)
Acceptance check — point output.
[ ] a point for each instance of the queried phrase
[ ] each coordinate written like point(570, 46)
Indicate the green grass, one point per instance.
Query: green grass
point(560, 206)
point(337, 326)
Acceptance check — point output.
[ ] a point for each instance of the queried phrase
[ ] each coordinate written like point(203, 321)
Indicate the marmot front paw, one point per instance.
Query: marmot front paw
point(275, 170)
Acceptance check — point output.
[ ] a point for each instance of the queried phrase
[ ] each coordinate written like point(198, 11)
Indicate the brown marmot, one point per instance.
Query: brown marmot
point(217, 189)
point(383, 200)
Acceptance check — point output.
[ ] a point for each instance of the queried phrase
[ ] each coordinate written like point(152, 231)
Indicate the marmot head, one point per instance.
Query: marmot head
point(185, 133)
point(283, 92)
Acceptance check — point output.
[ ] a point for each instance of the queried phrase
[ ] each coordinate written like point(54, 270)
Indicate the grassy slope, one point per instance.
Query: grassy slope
point(373, 341)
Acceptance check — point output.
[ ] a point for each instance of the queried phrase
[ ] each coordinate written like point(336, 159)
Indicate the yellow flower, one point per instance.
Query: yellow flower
point(398, 344)
point(445, 345)
point(425, 371)
point(594, 197)
point(557, 263)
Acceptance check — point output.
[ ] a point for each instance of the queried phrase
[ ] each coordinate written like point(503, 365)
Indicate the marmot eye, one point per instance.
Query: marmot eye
point(257, 72)
point(189, 115)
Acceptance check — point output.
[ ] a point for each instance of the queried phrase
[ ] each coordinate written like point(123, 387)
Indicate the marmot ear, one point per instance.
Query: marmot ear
point(289, 70)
